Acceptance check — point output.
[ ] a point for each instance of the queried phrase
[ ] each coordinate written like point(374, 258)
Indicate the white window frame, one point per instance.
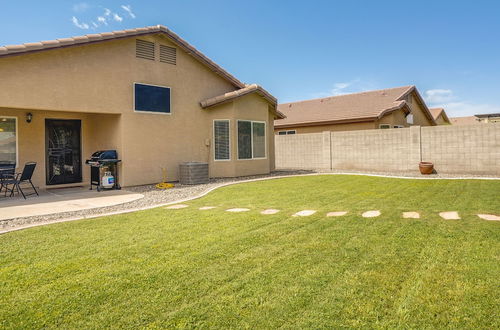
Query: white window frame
point(251, 132)
point(213, 136)
point(151, 112)
point(380, 126)
point(17, 136)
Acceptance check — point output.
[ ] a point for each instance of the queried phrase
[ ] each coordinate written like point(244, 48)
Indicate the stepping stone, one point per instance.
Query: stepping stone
point(177, 206)
point(452, 215)
point(238, 209)
point(270, 211)
point(490, 217)
point(336, 214)
point(206, 208)
point(371, 214)
point(411, 215)
point(304, 213)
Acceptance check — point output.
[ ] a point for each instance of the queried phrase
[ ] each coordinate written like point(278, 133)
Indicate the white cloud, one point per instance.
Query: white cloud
point(107, 12)
point(439, 95)
point(117, 17)
point(83, 26)
point(348, 87)
point(454, 106)
point(102, 19)
point(94, 24)
point(128, 9)
point(80, 7)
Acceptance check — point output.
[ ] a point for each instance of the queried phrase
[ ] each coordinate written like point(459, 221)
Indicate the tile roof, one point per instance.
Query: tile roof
point(469, 120)
point(12, 50)
point(364, 106)
point(254, 88)
point(436, 112)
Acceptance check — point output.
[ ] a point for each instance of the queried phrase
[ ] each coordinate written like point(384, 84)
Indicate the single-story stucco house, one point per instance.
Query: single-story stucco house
point(145, 92)
point(440, 116)
point(386, 108)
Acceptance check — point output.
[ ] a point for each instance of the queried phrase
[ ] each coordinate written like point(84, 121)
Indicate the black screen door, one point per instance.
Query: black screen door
point(63, 154)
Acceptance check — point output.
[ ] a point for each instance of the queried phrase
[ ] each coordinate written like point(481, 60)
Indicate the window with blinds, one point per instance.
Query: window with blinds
point(168, 55)
point(145, 49)
point(221, 140)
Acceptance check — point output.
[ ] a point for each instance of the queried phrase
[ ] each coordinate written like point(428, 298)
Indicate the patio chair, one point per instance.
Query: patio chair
point(7, 170)
point(16, 180)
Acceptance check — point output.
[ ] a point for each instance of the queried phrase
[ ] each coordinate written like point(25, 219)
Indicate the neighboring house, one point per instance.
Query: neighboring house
point(476, 119)
point(144, 92)
point(440, 116)
point(387, 108)
point(488, 118)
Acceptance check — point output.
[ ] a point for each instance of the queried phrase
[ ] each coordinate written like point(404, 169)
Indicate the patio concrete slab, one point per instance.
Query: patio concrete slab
point(490, 217)
point(62, 200)
point(371, 214)
point(304, 213)
point(336, 214)
point(269, 211)
point(451, 215)
point(411, 215)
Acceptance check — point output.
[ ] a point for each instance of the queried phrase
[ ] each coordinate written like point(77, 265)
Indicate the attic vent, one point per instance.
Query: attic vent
point(145, 49)
point(168, 55)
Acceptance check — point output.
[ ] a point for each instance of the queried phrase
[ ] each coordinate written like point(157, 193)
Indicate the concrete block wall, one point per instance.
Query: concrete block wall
point(471, 149)
point(303, 151)
point(384, 150)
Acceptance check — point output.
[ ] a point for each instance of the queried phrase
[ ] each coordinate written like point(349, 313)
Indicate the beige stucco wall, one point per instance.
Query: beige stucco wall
point(98, 78)
point(323, 128)
point(31, 137)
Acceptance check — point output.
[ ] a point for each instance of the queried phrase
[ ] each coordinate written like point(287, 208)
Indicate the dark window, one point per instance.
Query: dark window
point(244, 140)
point(152, 98)
point(282, 133)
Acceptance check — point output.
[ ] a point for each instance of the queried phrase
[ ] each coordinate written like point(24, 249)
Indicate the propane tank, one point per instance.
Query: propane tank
point(108, 180)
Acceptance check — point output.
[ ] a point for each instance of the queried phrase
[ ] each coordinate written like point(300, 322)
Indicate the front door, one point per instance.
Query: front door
point(63, 151)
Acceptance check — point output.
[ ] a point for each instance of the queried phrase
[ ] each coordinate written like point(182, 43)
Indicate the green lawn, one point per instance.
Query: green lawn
point(191, 268)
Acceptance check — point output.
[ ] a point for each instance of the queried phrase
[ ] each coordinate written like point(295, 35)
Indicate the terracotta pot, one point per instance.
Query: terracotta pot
point(426, 167)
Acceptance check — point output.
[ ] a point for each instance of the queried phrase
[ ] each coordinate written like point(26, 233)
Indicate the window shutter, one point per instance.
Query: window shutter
point(168, 54)
point(145, 49)
point(221, 140)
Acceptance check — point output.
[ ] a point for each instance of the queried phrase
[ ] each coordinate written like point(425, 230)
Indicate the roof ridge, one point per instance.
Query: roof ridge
point(349, 94)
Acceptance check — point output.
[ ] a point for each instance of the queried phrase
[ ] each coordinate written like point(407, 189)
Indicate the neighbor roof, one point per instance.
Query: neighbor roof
point(100, 37)
point(248, 89)
point(436, 112)
point(469, 120)
point(357, 107)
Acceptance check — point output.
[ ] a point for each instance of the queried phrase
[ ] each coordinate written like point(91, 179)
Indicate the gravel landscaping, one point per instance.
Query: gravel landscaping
point(154, 196)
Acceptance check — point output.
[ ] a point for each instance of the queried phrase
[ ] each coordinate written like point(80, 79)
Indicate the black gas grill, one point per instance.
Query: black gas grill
point(102, 162)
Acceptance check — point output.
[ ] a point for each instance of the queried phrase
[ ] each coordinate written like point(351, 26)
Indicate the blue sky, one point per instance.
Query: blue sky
point(305, 49)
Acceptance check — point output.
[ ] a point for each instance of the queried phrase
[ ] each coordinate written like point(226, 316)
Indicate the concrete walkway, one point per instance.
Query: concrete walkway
point(62, 200)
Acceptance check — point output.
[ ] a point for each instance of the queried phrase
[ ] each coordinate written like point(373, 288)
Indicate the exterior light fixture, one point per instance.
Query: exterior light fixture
point(29, 117)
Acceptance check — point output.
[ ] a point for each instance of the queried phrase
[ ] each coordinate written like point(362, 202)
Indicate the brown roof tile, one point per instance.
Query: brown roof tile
point(254, 88)
point(345, 108)
point(469, 120)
